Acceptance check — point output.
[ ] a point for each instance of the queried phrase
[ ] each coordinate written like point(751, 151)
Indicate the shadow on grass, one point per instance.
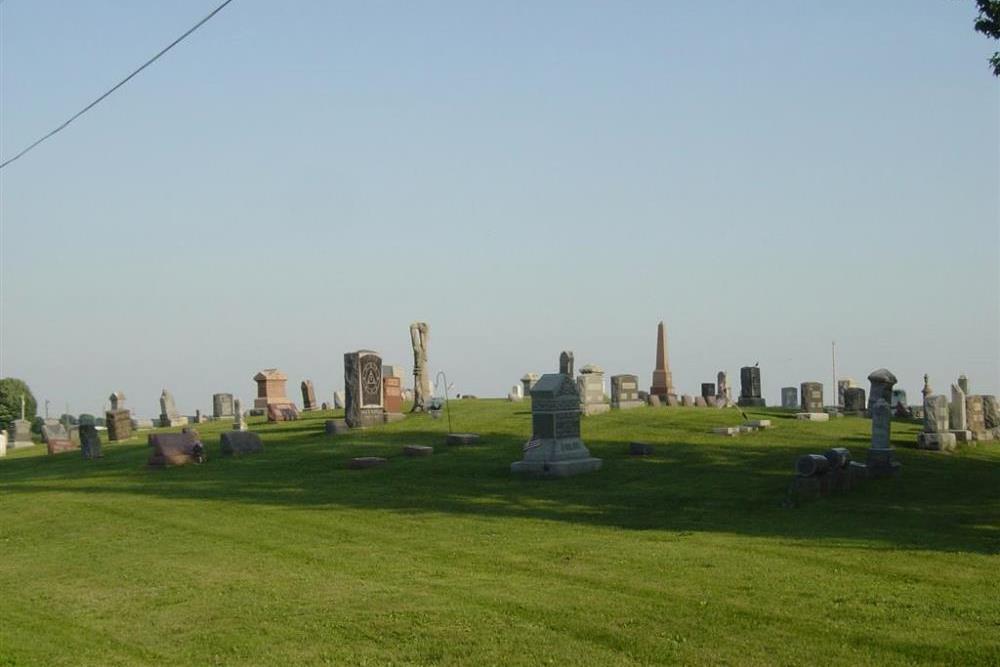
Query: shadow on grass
point(693, 482)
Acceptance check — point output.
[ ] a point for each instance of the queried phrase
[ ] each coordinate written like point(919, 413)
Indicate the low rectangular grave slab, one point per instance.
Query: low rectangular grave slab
point(240, 443)
point(418, 450)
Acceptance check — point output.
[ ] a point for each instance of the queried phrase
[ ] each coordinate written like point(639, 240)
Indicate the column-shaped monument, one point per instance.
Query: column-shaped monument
point(881, 461)
point(663, 380)
point(419, 332)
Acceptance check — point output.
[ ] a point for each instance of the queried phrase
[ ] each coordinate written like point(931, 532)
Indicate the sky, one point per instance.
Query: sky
point(299, 180)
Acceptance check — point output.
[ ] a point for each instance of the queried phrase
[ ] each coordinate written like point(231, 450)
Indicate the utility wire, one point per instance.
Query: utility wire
point(119, 84)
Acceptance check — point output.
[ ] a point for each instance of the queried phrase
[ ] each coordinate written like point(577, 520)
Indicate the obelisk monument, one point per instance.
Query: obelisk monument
point(663, 381)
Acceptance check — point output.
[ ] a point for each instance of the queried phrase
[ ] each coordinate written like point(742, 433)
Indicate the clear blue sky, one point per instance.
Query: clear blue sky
point(302, 179)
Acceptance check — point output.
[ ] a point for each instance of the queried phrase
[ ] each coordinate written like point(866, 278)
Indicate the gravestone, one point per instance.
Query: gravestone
point(271, 386)
point(750, 393)
point(168, 411)
point(956, 409)
point(812, 396)
point(528, 381)
point(687, 401)
point(3, 444)
point(240, 443)
point(175, 449)
point(926, 391)
point(117, 400)
point(625, 392)
point(555, 448)
point(881, 459)
point(663, 379)
point(239, 417)
point(854, 401)
point(392, 397)
point(566, 363)
point(790, 398)
point(338, 400)
point(515, 394)
point(881, 386)
point(724, 397)
point(20, 431)
point(60, 445)
point(991, 411)
point(898, 399)
point(222, 406)
point(419, 337)
point(282, 412)
point(308, 396)
point(843, 385)
point(142, 424)
point(119, 424)
point(90, 441)
point(591, 386)
point(936, 423)
point(363, 380)
point(701, 401)
point(53, 430)
point(392, 371)
point(707, 389)
point(975, 420)
point(963, 383)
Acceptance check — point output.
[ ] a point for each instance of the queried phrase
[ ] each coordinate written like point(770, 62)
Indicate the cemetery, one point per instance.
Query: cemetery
point(639, 512)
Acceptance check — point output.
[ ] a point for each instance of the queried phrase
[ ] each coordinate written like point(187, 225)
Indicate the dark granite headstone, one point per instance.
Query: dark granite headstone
point(363, 389)
point(90, 441)
point(750, 391)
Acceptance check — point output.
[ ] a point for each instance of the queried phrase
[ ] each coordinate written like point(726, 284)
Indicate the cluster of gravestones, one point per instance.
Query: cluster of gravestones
point(176, 449)
point(965, 419)
point(821, 474)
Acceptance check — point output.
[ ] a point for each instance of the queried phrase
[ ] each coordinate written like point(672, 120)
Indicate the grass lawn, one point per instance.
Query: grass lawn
point(687, 556)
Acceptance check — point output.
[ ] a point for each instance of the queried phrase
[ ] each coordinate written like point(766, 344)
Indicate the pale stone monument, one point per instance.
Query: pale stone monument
point(528, 381)
point(555, 448)
point(724, 399)
point(363, 381)
point(591, 386)
point(169, 416)
point(222, 406)
point(3, 444)
point(338, 400)
point(957, 415)
point(926, 391)
point(625, 392)
point(239, 418)
point(963, 382)
point(663, 379)
point(881, 460)
point(20, 431)
point(419, 332)
point(117, 400)
point(936, 424)
point(790, 398)
point(515, 394)
point(750, 391)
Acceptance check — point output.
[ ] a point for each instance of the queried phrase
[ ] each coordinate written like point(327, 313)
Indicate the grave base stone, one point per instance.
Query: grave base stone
point(941, 442)
point(239, 443)
point(418, 450)
point(962, 436)
point(362, 462)
point(461, 439)
point(336, 427)
point(813, 416)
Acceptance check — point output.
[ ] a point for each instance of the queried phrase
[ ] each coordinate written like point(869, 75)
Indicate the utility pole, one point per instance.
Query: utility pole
point(836, 388)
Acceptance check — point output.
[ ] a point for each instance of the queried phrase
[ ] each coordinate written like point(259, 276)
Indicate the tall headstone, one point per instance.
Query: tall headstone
point(308, 396)
point(271, 388)
point(663, 379)
point(936, 424)
point(239, 418)
point(168, 411)
point(625, 392)
point(881, 459)
point(20, 431)
point(3, 444)
point(566, 363)
point(812, 396)
point(963, 382)
point(555, 448)
point(854, 401)
point(750, 392)
point(790, 398)
point(707, 389)
point(339, 401)
point(392, 396)
point(222, 406)
point(590, 384)
point(881, 386)
point(117, 400)
point(926, 391)
point(975, 419)
point(363, 384)
point(528, 381)
point(90, 441)
point(957, 415)
point(419, 333)
point(724, 398)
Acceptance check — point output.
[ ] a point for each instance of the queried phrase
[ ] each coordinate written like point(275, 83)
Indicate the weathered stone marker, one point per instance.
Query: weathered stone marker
point(790, 398)
point(936, 422)
point(812, 396)
point(881, 460)
point(363, 380)
point(308, 396)
point(240, 443)
point(222, 406)
point(663, 380)
point(750, 391)
point(591, 386)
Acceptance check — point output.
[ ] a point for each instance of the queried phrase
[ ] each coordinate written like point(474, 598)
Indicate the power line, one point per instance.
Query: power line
point(119, 84)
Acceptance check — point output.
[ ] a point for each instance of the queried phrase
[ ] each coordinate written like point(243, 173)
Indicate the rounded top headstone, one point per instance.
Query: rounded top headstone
point(882, 375)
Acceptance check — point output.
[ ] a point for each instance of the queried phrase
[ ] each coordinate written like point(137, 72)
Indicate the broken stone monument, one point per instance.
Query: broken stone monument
point(663, 379)
point(555, 448)
point(625, 392)
point(957, 415)
point(419, 334)
point(750, 392)
point(363, 380)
